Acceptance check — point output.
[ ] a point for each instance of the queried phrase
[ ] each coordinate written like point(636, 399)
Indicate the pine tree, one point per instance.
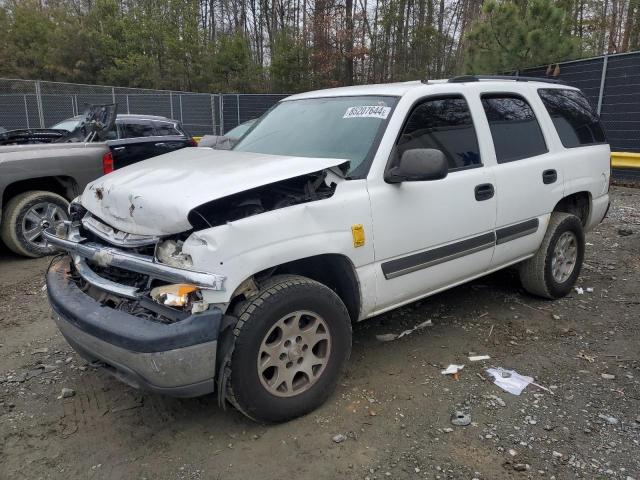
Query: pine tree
point(511, 36)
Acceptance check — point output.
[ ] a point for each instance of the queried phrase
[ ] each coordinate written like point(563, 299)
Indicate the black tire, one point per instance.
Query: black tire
point(13, 214)
point(536, 273)
point(278, 298)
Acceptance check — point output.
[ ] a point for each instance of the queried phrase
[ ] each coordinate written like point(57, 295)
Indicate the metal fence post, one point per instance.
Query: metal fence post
point(128, 103)
point(39, 103)
point(213, 114)
point(181, 119)
point(26, 110)
point(221, 110)
point(113, 94)
point(238, 107)
point(603, 79)
point(171, 104)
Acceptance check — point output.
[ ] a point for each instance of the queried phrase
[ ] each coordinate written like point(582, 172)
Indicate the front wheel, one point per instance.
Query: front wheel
point(292, 341)
point(26, 216)
point(554, 269)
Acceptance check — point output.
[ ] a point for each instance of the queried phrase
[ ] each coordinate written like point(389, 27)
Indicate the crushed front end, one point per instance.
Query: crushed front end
point(120, 306)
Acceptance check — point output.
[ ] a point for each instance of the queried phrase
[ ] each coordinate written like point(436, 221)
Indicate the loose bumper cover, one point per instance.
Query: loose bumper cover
point(176, 359)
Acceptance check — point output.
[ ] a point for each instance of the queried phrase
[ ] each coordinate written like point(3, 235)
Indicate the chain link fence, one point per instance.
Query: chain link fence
point(40, 104)
point(612, 84)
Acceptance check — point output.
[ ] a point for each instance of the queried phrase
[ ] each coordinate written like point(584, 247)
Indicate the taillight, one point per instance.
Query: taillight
point(107, 163)
point(192, 143)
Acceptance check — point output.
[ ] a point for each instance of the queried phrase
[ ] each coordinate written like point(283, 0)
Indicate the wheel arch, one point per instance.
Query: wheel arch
point(334, 270)
point(578, 204)
point(63, 185)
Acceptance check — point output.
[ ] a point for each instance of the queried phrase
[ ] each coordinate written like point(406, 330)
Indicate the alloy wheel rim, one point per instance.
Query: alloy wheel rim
point(565, 255)
point(40, 217)
point(294, 353)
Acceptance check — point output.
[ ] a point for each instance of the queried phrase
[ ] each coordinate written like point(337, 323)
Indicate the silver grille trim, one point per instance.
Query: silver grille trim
point(109, 256)
point(116, 237)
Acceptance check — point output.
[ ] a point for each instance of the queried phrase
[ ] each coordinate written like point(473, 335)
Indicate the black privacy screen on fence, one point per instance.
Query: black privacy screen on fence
point(39, 104)
point(612, 84)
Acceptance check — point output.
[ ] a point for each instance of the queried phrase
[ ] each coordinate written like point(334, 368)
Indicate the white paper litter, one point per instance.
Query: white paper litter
point(451, 369)
point(509, 380)
point(477, 358)
point(580, 290)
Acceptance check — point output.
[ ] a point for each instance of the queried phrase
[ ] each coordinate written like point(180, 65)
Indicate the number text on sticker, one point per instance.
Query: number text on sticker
point(367, 111)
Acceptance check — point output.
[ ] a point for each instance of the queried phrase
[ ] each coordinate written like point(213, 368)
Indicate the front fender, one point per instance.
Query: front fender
point(245, 247)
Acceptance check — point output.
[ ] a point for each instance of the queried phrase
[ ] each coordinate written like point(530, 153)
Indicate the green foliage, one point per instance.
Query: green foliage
point(510, 37)
point(290, 64)
point(232, 67)
point(258, 46)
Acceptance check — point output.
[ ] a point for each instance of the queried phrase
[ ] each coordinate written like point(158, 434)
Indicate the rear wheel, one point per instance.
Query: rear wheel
point(292, 341)
point(26, 216)
point(554, 269)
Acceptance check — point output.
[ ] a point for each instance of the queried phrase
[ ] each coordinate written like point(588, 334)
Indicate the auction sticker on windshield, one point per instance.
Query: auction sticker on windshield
point(367, 111)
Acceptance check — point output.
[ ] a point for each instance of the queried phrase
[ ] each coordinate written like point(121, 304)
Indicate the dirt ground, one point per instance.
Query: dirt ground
point(392, 405)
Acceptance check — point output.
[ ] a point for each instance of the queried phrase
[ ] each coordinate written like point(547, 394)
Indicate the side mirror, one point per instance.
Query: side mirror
point(417, 165)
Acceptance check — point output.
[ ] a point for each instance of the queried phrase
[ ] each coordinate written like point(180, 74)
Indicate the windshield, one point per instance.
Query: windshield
point(69, 124)
point(336, 127)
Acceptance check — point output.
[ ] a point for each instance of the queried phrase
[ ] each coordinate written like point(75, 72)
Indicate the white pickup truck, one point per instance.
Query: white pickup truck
point(242, 271)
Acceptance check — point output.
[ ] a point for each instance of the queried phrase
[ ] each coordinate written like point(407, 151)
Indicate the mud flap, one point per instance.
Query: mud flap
point(226, 343)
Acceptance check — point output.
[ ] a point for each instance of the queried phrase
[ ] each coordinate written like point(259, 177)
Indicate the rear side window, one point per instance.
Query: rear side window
point(134, 130)
point(575, 121)
point(514, 128)
point(166, 128)
point(444, 124)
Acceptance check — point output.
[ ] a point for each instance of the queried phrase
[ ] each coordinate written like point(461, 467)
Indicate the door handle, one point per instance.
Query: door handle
point(160, 144)
point(484, 191)
point(118, 149)
point(549, 176)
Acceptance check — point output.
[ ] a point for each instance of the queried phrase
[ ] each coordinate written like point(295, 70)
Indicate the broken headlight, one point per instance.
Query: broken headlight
point(170, 253)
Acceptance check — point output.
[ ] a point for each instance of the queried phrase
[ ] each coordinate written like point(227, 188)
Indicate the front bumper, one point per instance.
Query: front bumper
point(108, 256)
point(176, 359)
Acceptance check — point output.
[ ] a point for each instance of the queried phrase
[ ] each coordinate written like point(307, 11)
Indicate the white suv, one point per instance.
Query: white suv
point(243, 270)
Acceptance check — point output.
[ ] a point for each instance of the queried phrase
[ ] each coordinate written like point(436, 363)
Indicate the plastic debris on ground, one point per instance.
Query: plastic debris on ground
point(452, 369)
point(509, 380)
point(388, 337)
point(588, 358)
point(460, 419)
point(477, 358)
point(580, 290)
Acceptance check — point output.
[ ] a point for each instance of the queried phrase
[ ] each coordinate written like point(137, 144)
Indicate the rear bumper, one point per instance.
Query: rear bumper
point(176, 359)
point(599, 208)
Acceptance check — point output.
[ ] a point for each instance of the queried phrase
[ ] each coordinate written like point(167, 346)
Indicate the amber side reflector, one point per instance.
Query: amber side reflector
point(357, 231)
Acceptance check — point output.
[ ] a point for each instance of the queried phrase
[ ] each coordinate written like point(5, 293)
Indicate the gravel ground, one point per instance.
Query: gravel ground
point(392, 409)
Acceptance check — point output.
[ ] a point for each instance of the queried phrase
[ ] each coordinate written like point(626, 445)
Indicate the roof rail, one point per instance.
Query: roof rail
point(515, 78)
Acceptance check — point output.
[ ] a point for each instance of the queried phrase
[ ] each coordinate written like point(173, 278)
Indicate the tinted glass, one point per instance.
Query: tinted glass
point(332, 127)
point(444, 124)
point(514, 127)
point(576, 122)
point(133, 130)
point(166, 128)
point(69, 124)
point(240, 130)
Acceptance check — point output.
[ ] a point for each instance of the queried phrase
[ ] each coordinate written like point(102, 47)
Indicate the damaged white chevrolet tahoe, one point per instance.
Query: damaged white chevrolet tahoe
point(242, 271)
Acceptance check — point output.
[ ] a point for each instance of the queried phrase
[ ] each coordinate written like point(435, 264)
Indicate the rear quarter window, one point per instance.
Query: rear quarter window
point(166, 128)
point(136, 129)
point(573, 116)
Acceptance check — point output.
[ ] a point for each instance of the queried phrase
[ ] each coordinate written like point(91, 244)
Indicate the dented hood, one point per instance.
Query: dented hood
point(153, 197)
